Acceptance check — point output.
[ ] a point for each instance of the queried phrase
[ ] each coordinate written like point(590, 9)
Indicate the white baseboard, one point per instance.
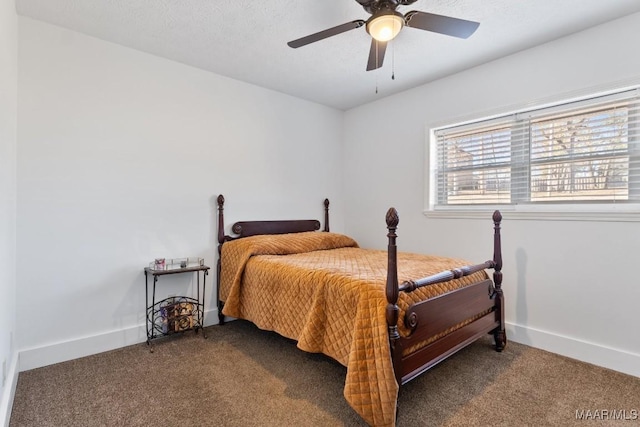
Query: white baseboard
point(9, 391)
point(85, 346)
point(611, 358)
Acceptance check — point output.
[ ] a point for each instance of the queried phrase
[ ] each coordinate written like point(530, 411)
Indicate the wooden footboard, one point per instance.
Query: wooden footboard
point(471, 311)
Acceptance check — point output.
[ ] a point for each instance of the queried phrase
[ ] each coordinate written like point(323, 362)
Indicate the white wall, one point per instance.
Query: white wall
point(571, 287)
point(120, 158)
point(8, 129)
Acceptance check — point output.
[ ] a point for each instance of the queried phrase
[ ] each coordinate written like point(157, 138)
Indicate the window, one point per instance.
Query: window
point(585, 152)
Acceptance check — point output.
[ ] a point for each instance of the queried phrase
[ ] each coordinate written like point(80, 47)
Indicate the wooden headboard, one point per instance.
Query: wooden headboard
point(252, 228)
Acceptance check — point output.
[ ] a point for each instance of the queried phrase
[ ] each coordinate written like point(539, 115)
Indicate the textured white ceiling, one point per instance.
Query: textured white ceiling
point(247, 39)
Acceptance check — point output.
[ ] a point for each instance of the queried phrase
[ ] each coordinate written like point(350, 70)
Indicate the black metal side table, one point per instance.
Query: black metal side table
point(176, 313)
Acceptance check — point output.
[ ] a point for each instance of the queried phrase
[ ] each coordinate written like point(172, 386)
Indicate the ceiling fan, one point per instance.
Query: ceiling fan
point(385, 23)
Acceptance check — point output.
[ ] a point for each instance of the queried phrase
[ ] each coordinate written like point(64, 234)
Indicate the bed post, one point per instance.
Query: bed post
point(221, 239)
point(326, 215)
point(392, 291)
point(499, 333)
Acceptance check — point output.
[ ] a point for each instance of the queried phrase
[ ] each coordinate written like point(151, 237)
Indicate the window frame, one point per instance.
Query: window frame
point(563, 211)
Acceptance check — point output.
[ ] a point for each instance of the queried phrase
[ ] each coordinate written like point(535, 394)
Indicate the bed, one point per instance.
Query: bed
point(387, 316)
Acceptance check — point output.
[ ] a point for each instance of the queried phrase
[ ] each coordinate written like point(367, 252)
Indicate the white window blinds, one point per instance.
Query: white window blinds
point(584, 152)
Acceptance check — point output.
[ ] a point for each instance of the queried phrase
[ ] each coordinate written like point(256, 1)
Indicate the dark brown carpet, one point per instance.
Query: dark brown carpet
point(241, 376)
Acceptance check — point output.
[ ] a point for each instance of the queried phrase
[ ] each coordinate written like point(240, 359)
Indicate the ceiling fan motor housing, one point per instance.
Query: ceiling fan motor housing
point(374, 6)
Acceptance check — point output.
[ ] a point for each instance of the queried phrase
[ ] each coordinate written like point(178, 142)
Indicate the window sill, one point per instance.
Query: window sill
point(627, 213)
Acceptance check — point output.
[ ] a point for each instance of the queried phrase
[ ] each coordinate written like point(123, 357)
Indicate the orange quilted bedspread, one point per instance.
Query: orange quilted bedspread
point(323, 291)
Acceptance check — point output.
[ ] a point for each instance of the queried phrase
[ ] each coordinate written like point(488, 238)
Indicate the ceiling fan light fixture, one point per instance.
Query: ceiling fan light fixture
point(385, 26)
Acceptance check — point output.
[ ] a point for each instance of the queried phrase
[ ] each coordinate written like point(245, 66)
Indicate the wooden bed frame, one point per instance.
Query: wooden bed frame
point(426, 318)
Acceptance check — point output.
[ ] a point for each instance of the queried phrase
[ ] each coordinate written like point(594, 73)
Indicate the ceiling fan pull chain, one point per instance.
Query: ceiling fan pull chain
point(393, 61)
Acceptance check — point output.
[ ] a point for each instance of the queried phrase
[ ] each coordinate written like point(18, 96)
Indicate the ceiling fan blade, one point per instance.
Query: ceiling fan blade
point(326, 33)
point(376, 54)
point(440, 24)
